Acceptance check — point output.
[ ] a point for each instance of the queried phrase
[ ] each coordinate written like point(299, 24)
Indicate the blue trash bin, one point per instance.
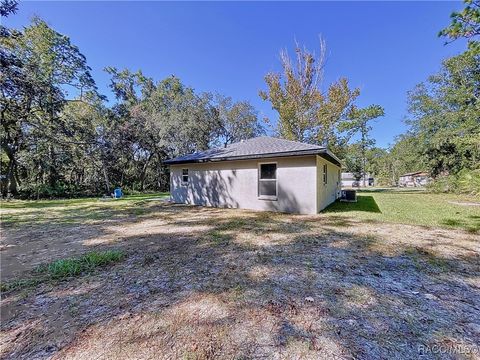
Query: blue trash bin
point(117, 193)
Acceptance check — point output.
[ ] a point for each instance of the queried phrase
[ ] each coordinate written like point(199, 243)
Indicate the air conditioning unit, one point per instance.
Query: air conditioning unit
point(349, 196)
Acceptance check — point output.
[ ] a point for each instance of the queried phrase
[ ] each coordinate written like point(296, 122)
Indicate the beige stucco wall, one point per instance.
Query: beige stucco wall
point(327, 193)
point(235, 184)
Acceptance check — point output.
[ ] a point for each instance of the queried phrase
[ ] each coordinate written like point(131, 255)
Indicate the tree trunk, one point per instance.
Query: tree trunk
point(364, 153)
point(37, 178)
point(105, 175)
point(364, 173)
point(52, 171)
point(11, 186)
point(144, 172)
point(11, 178)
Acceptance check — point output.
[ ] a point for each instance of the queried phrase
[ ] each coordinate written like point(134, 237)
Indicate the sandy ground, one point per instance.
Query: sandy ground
point(201, 283)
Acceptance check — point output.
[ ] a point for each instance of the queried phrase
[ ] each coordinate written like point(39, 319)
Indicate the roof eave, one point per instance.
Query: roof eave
point(259, 156)
point(334, 157)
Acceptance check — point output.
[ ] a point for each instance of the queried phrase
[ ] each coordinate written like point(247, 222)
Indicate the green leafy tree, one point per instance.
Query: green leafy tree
point(465, 24)
point(60, 139)
point(129, 88)
point(238, 121)
point(46, 70)
point(161, 120)
point(406, 156)
point(8, 7)
point(127, 136)
point(305, 113)
point(360, 124)
point(387, 165)
point(445, 116)
point(352, 161)
point(334, 116)
point(380, 166)
point(181, 120)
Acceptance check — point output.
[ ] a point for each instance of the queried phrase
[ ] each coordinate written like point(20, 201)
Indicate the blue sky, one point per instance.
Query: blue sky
point(384, 48)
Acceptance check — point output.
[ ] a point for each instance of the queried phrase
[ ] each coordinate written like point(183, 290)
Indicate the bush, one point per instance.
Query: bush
point(442, 184)
point(465, 182)
point(468, 182)
point(31, 191)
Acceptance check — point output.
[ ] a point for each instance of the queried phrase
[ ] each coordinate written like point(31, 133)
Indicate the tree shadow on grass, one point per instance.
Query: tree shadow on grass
point(364, 203)
point(470, 224)
point(46, 203)
point(79, 214)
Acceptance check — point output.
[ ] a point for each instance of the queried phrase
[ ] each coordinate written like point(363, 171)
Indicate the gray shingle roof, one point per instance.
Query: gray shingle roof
point(259, 147)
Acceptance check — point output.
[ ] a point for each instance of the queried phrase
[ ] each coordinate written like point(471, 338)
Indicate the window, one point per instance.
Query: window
point(267, 181)
point(325, 174)
point(185, 176)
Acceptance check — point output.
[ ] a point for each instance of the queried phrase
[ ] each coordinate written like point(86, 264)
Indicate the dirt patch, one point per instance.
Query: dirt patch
point(212, 283)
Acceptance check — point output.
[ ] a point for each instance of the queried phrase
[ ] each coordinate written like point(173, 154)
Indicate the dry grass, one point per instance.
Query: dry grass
point(203, 283)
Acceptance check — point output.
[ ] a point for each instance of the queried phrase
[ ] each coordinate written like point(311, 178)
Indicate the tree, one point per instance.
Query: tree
point(359, 123)
point(238, 121)
point(163, 119)
point(386, 165)
point(380, 166)
point(305, 113)
point(129, 145)
point(59, 138)
point(296, 97)
point(8, 7)
point(129, 87)
point(334, 117)
point(445, 116)
point(182, 120)
point(45, 68)
point(465, 24)
point(353, 161)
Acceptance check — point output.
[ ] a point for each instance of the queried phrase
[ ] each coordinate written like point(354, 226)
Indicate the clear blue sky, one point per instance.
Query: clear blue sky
point(385, 48)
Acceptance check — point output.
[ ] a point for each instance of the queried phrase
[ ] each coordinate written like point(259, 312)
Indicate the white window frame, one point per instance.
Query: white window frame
point(325, 174)
point(183, 176)
point(259, 172)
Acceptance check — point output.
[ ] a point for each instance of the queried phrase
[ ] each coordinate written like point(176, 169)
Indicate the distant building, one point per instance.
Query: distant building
point(414, 179)
point(349, 180)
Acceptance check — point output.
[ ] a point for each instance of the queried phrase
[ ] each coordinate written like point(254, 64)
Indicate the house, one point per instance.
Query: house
point(414, 179)
point(350, 180)
point(262, 173)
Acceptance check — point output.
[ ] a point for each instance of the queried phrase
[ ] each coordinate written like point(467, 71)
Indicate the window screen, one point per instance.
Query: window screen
point(268, 171)
point(185, 175)
point(267, 181)
point(325, 174)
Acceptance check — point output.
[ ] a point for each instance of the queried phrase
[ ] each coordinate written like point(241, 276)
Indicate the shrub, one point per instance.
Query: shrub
point(60, 190)
point(465, 182)
point(468, 182)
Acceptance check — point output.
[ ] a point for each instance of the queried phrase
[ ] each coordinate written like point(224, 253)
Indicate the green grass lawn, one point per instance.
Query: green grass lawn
point(413, 206)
